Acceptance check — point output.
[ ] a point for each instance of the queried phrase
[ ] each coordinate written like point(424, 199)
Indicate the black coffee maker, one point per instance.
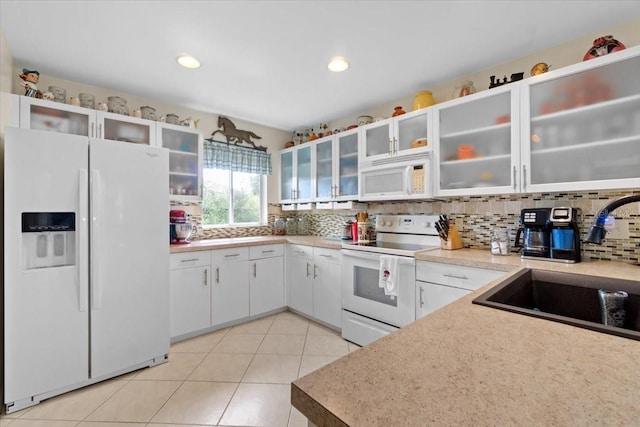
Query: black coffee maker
point(534, 234)
point(565, 236)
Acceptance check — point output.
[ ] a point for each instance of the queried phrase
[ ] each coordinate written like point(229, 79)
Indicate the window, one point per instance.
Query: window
point(232, 198)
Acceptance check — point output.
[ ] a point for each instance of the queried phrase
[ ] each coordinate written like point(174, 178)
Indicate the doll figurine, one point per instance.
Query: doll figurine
point(31, 79)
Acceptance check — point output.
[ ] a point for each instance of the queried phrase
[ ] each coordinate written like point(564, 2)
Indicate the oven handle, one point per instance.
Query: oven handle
point(376, 257)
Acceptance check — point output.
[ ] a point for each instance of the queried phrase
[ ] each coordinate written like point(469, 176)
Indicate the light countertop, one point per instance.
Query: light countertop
point(206, 245)
point(473, 365)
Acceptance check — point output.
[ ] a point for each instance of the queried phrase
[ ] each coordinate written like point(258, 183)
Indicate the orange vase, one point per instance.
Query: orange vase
point(397, 111)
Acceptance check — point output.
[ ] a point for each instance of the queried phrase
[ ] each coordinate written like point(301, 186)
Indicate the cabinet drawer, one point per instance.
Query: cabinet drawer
point(190, 259)
point(327, 255)
point(470, 278)
point(265, 251)
point(219, 256)
point(299, 251)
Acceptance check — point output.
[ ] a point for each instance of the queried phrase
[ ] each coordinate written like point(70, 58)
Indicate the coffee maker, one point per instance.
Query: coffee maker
point(535, 232)
point(565, 236)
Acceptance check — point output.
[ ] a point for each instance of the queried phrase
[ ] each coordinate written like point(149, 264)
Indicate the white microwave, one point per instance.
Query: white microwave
point(396, 181)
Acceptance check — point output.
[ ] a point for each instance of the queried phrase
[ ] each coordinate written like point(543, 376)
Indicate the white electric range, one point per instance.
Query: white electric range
point(368, 311)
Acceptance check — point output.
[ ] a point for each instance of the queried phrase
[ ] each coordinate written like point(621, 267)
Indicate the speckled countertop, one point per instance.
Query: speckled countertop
point(206, 245)
point(473, 365)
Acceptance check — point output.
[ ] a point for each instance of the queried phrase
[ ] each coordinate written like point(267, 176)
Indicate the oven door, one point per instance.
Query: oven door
point(361, 293)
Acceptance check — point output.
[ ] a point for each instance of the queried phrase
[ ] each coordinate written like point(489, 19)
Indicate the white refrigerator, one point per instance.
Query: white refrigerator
point(86, 262)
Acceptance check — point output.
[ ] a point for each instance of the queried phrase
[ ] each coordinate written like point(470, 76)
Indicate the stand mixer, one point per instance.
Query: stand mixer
point(179, 229)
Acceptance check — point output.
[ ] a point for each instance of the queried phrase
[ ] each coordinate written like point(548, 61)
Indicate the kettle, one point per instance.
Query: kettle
point(346, 230)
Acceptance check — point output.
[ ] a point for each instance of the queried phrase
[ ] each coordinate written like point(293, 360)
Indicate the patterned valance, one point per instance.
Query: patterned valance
point(220, 155)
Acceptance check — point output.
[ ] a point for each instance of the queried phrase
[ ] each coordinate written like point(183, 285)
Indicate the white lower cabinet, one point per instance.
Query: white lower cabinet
point(190, 291)
point(266, 280)
point(327, 286)
point(300, 278)
point(230, 285)
point(440, 284)
point(314, 277)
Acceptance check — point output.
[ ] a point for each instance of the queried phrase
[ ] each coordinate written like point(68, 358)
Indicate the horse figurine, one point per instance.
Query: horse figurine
point(234, 135)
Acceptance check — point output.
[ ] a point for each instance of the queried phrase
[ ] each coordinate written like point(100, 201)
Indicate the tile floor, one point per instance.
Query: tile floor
point(239, 376)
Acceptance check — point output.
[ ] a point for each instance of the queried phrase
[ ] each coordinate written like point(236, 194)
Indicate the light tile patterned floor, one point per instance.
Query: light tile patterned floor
point(238, 376)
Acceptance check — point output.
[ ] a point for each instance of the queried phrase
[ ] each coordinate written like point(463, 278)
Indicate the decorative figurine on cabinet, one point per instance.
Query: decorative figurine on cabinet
point(236, 136)
point(30, 83)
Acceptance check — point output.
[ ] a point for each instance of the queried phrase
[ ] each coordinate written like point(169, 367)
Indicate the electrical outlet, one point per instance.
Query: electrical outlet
point(616, 228)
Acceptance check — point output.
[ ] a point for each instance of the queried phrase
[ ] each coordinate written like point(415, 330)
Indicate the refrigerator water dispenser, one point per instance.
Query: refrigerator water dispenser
point(48, 239)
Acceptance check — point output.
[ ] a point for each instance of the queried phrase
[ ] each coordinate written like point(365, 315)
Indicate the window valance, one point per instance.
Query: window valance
point(220, 155)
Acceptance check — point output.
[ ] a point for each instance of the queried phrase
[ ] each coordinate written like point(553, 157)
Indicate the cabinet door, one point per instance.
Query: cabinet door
point(266, 291)
point(300, 278)
point(185, 147)
point(190, 307)
point(477, 143)
point(304, 174)
point(117, 127)
point(39, 114)
point(287, 175)
point(346, 165)
point(582, 130)
point(230, 292)
point(327, 288)
point(325, 187)
point(376, 140)
point(410, 129)
point(430, 297)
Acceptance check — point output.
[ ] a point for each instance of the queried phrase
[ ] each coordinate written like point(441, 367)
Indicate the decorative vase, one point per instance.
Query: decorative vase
point(463, 89)
point(59, 93)
point(397, 111)
point(602, 46)
point(148, 113)
point(423, 99)
point(118, 105)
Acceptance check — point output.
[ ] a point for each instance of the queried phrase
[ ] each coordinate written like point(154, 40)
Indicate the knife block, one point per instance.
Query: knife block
point(454, 241)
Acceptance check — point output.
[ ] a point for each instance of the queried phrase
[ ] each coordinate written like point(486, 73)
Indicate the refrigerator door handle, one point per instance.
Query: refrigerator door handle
point(95, 239)
point(83, 259)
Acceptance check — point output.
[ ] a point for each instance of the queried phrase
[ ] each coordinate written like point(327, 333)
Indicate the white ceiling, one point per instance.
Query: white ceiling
point(266, 61)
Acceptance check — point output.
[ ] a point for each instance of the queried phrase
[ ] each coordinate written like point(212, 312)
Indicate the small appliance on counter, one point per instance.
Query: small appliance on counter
point(179, 228)
point(550, 233)
point(565, 236)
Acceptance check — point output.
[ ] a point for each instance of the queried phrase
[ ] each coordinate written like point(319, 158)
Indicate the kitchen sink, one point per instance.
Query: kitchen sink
point(566, 298)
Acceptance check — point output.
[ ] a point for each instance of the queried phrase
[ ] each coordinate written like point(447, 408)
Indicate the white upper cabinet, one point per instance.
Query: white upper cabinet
point(297, 174)
point(396, 137)
point(185, 160)
point(39, 114)
point(583, 126)
point(336, 167)
point(478, 143)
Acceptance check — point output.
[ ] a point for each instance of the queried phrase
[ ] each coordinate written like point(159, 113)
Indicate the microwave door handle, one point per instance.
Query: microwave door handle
point(407, 180)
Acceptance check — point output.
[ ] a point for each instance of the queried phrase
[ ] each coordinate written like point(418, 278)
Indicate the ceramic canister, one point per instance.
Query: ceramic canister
point(423, 99)
point(87, 100)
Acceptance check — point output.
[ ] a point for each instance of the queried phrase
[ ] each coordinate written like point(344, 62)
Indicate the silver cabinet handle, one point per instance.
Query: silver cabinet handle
point(315, 271)
point(299, 252)
point(205, 277)
point(268, 251)
point(421, 301)
point(395, 146)
point(190, 260)
point(255, 270)
point(390, 147)
point(92, 126)
point(99, 135)
point(231, 255)
point(326, 256)
point(456, 277)
point(515, 177)
point(217, 274)
point(308, 269)
point(524, 177)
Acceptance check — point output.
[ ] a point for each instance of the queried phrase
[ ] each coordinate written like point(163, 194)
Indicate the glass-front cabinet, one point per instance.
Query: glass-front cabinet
point(296, 174)
point(336, 166)
point(398, 136)
point(478, 143)
point(583, 131)
point(40, 114)
point(185, 160)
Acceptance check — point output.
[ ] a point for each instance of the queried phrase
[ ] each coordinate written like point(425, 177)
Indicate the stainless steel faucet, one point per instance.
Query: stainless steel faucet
point(597, 230)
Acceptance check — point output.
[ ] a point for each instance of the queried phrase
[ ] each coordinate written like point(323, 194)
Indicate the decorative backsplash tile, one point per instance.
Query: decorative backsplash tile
point(475, 216)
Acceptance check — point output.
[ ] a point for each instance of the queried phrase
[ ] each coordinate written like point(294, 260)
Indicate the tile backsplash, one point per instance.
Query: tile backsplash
point(475, 217)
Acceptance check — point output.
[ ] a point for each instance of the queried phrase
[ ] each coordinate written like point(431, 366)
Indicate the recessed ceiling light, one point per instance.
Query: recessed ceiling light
point(188, 61)
point(338, 64)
